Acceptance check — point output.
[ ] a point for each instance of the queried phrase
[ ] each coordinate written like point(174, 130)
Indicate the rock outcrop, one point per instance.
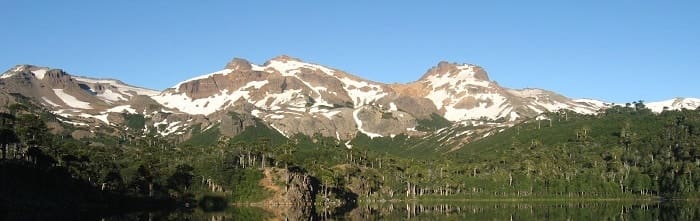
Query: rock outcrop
point(293, 193)
point(295, 188)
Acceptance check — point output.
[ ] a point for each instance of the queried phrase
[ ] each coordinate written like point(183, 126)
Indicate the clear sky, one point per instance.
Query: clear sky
point(617, 51)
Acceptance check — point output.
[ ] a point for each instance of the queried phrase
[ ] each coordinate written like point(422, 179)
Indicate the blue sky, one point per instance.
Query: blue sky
point(617, 51)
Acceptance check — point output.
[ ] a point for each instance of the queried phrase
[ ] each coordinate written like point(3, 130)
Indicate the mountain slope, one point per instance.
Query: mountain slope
point(299, 97)
point(674, 104)
point(88, 102)
point(293, 97)
point(464, 92)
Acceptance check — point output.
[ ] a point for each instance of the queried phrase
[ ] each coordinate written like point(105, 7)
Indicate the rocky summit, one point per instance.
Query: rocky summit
point(293, 97)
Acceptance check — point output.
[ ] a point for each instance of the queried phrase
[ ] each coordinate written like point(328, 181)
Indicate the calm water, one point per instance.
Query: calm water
point(440, 211)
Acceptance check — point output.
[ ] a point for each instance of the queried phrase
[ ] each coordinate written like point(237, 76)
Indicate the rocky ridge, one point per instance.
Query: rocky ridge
point(293, 97)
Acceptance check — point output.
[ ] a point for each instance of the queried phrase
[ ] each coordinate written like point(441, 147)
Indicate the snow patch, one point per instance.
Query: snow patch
point(171, 128)
point(330, 114)
point(255, 84)
point(13, 72)
point(102, 117)
point(74, 123)
point(347, 144)
point(291, 67)
point(594, 103)
point(514, 116)
point(7, 75)
point(122, 109)
point(355, 115)
point(468, 132)
point(49, 102)
point(122, 88)
point(496, 108)
point(275, 116)
point(291, 97)
point(278, 130)
point(111, 96)
point(553, 106)
point(463, 78)
point(39, 74)
point(256, 113)
point(674, 104)
point(70, 100)
point(208, 105)
point(527, 93)
point(392, 107)
point(535, 109)
point(362, 92)
point(255, 67)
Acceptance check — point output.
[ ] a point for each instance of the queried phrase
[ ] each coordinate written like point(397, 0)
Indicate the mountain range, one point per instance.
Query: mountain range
point(458, 102)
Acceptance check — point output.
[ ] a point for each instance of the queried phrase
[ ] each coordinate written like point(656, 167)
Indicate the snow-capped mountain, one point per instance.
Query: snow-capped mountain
point(674, 104)
point(84, 101)
point(293, 97)
point(297, 97)
point(56, 88)
point(464, 92)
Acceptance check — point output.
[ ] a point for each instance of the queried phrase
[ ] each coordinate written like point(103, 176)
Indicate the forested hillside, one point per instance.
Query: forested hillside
point(626, 152)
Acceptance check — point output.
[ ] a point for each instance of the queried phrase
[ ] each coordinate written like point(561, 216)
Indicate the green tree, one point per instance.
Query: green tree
point(181, 179)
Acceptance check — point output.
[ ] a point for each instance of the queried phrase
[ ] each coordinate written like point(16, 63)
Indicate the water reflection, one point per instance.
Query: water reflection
point(231, 213)
point(454, 211)
point(510, 211)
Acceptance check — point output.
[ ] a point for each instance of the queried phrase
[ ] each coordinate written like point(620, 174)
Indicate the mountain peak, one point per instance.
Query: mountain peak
point(23, 67)
point(16, 69)
point(37, 71)
point(239, 64)
point(458, 71)
point(293, 97)
point(285, 58)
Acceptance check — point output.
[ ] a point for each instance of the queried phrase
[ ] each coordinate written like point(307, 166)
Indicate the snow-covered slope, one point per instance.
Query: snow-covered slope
point(593, 103)
point(88, 102)
point(541, 101)
point(464, 92)
point(462, 95)
point(114, 90)
point(219, 90)
point(293, 97)
point(299, 97)
point(674, 104)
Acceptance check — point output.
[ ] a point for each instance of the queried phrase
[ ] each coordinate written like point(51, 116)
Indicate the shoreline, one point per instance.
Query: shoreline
point(647, 199)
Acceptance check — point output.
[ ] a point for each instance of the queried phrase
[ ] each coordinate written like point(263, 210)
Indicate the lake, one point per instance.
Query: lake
point(589, 210)
point(457, 211)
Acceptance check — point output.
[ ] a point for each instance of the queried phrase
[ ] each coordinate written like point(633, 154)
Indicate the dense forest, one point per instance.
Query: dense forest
point(625, 152)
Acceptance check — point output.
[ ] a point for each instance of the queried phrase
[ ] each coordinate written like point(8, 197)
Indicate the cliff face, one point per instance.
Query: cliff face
point(288, 187)
point(293, 193)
